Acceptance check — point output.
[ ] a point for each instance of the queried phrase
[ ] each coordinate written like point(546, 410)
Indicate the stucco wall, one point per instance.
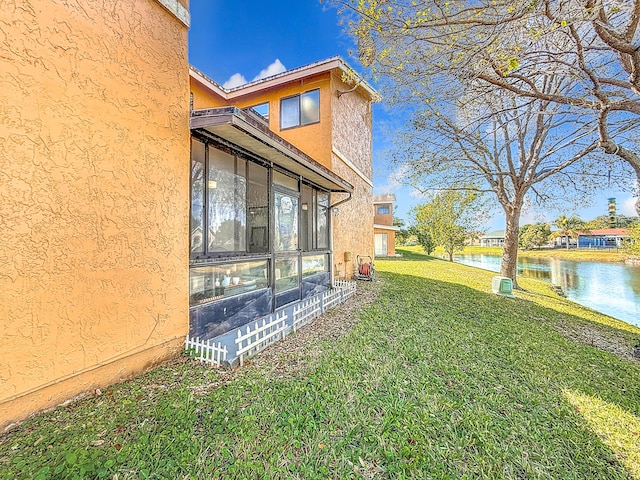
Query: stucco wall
point(383, 218)
point(94, 195)
point(314, 140)
point(352, 139)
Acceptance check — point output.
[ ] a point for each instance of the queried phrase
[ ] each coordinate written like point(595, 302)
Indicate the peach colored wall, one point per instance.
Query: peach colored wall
point(203, 97)
point(352, 137)
point(383, 218)
point(314, 140)
point(94, 196)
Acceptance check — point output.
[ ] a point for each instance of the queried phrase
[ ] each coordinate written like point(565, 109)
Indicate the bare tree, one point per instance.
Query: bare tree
point(519, 151)
point(430, 48)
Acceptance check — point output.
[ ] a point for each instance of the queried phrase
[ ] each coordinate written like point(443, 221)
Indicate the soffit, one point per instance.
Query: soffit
point(247, 131)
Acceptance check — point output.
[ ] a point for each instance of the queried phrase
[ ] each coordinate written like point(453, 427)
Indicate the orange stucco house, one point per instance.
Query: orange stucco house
point(294, 152)
point(140, 202)
point(384, 232)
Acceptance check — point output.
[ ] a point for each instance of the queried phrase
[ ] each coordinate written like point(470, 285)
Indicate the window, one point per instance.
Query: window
point(383, 210)
point(300, 110)
point(380, 244)
point(213, 282)
point(262, 110)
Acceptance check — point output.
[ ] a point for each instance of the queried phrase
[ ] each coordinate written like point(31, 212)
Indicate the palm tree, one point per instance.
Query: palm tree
point(568, 227)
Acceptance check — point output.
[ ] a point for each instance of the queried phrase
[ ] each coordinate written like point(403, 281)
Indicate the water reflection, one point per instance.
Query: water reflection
point(610, 288)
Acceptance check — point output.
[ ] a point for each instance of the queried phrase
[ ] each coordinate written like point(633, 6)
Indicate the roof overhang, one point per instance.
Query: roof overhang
point(334, 63)
point(247, 131)
point(386, 227)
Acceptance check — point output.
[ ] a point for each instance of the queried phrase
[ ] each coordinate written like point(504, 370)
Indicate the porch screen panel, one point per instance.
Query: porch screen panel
point(286, 271)
point(286, 222)
point(258, 207)
point(323, 220)
point(306, 220)
point(196, 220)
point(227, 202)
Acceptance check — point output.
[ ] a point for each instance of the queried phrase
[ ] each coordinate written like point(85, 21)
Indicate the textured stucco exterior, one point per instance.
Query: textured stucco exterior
point(352, 147)
point(94, 195)
point(314, 140)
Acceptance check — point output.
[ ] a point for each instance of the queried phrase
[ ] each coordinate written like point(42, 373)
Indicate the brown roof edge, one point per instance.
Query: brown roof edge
point(252, 126)
point(325, 65)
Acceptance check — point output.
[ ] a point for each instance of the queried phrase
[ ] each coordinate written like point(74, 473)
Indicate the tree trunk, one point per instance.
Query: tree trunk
point(509, 264)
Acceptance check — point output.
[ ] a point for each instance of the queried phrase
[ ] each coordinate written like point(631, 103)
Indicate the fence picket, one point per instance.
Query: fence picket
point(256, 336)
point(205, 351)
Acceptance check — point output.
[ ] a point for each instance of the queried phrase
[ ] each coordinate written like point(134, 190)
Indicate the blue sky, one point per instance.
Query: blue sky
point(237, 41)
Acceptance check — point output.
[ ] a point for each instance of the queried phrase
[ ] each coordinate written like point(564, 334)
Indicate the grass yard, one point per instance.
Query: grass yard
point(437, 378)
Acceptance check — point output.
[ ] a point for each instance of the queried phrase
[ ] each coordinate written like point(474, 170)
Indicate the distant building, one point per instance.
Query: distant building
point(384, 232)
point(602, 238)
point(493, 239)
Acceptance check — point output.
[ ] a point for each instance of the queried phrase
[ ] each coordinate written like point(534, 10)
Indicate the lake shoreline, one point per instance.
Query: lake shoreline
point(612, 288)
point(579, 255)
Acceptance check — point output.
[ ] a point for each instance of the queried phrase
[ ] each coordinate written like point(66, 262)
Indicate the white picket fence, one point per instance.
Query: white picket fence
point(306, 311)
point(331, 298)
point(348, 288)
point(273, 328)
point(207, 351)
point(255, 336)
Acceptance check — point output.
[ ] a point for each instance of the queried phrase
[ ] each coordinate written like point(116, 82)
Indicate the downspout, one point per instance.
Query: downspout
point(331, 207)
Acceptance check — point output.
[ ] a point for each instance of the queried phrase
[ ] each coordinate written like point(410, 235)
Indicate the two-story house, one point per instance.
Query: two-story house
point(384, 232)
point(140, 201)
point(280, 190)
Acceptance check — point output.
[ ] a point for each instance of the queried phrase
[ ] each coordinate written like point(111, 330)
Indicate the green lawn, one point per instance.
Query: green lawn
point(438, 378)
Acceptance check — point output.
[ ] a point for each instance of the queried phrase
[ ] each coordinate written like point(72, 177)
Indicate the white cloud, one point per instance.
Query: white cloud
point(420, 195)
point(238, 79)
point(275, 68)
point(235, 80)
point(530, 216)
point(395, 180)
point(629, 207)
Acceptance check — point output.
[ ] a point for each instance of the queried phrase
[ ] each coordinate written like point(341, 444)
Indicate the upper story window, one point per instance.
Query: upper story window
point(262, 110)
point(299, 110)
point(384, 210)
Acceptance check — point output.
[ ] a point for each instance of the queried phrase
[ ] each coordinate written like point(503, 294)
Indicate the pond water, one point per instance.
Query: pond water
point(610, 288)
